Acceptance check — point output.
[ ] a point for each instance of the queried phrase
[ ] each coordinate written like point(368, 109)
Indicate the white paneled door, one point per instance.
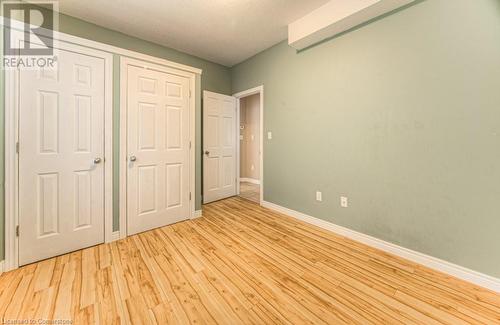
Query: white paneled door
point(157, 149)
point(219, 146)
point(61, 159)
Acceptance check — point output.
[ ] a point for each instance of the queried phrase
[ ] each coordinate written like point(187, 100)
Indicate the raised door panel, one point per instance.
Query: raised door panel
point(147, 85)
point(146, 125)
point(174, 128)
point(174, 90)
point(48, 204)
point(83, 75)
point(83, 199)
point(48, 121)
point(211, 127)
point(146, 191)
point(83, 123)
point(228, 176)
point(228, 136)
point(174, 186)
point(212, 174)
point(47, 74)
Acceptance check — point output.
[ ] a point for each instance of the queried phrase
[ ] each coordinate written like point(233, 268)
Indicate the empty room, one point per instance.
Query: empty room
point(250, 162)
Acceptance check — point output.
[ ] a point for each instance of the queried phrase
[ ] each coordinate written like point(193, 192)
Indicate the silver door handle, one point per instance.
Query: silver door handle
point(207, 152)
point(97, 161)
point(133, 158)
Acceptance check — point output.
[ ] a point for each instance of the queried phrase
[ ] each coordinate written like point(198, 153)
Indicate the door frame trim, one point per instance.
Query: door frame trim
point(239, 96)
point(124, 63)
point(11, 260)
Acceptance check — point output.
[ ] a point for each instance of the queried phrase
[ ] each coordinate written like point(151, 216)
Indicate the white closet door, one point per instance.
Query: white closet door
point(157, 149)
point(61, 134)
point(219, 143)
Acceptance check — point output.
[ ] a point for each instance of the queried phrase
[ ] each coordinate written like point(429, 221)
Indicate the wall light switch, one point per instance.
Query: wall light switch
point(344, 202)
point(319, 196)
point(269, 135)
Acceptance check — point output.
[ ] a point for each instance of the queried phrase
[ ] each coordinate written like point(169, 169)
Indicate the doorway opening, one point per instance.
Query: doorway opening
point(233, 145)
point(250, 144)
point(249, 138)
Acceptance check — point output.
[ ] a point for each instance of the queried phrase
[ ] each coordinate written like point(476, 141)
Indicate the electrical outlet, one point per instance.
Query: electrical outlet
point(344, 202)
point(319, 196)
point(269, 135)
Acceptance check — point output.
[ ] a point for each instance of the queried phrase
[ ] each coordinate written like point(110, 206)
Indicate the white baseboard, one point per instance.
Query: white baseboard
point(197, 214)
point(250, 180)
point(457, 271)
point(115, 235)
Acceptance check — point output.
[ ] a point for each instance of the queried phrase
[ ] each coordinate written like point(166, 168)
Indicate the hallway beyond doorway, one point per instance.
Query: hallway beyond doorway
point(250, 191)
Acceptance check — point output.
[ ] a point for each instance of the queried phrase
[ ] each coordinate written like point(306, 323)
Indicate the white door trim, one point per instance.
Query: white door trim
point(124, 63)
point(239, 96)
point(12, 162)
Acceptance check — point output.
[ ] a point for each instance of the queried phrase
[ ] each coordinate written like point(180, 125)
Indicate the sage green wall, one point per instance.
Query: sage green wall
point(402, 116)
point(215, 78)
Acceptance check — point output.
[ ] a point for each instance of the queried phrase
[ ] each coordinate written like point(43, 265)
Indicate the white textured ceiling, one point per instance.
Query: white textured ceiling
point(222, 31)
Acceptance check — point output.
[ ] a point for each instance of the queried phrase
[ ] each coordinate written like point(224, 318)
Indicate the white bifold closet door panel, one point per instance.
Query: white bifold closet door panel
point(157, 149)
point(61, 134)
point(219, 146)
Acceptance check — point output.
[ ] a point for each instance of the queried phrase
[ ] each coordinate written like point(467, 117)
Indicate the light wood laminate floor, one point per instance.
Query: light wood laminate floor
point(250, 191)
point(240, 264)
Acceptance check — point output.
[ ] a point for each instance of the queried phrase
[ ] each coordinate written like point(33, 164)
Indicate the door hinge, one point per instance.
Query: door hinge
point(189, 196)
point(17, 231)
point(190, 94)
point(17, 147)
point(190, 144)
